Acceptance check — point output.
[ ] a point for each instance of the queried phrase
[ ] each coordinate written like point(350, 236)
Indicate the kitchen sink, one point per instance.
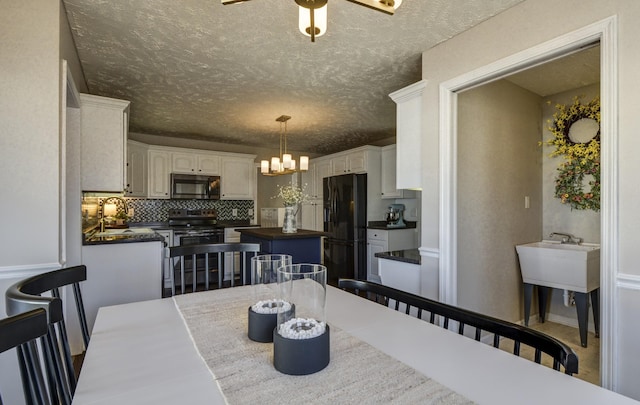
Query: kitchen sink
point(560, 265)
point(125, 231)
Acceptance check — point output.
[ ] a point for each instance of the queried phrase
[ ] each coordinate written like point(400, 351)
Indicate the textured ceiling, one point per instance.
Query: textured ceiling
point(195, 69)
point(569, 72)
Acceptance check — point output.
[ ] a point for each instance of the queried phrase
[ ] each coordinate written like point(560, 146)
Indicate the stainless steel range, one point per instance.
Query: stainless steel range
point(193, 227)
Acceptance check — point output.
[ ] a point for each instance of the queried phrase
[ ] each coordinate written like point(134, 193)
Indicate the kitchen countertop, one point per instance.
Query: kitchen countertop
point(411, 256)
point(276, 233)
point(383, 225)
point(90, 239)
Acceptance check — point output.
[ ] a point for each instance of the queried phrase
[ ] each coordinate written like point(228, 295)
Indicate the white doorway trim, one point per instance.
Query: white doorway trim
point(604, 32)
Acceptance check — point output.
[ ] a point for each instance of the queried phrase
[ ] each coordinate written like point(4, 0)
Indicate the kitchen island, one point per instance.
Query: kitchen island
point(304, 246)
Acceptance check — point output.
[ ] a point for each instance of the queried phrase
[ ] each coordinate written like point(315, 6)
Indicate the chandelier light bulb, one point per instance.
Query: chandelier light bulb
point(319, 17)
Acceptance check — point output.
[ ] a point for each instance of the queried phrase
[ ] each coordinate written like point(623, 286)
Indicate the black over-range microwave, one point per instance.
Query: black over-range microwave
point(192, 186)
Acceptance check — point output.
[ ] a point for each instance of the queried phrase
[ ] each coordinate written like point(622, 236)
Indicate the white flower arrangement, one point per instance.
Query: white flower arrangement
point(291, 195)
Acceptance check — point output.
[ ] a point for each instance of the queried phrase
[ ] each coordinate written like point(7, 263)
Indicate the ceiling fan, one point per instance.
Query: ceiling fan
point(313, 13)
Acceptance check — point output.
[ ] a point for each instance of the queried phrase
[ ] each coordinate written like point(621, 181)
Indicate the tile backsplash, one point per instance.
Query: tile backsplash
point(157, 210)
point(146, 210)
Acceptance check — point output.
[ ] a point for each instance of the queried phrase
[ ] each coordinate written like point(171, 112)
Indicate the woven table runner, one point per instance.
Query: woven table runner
point(357, 372)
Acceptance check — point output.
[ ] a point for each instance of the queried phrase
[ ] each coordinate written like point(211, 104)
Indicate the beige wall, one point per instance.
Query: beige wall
point(32, 42)
point(528, 24)
point(498, 164)
point(558, 217)
point(29, 143)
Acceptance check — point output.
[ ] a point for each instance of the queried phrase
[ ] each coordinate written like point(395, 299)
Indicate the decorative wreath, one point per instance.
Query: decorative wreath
point(576, 137)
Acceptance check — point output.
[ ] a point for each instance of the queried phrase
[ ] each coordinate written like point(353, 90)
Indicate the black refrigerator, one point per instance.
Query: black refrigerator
point(345, 222)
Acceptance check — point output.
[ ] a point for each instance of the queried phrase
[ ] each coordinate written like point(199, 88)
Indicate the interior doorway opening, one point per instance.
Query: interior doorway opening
point(604, 32)
point(506, 192)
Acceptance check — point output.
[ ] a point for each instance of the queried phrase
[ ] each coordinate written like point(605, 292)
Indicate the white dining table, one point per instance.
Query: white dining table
point(143, 353)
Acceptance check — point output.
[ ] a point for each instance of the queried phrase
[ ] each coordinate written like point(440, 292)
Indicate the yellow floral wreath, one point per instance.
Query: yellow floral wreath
point(581, 159)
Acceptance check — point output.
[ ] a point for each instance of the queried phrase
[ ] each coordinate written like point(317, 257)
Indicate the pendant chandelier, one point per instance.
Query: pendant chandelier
point(283, 163)
point(312, 14)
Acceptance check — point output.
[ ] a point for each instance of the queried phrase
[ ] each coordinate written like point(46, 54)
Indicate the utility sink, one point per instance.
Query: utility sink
point(125, 231)
point(561, 265)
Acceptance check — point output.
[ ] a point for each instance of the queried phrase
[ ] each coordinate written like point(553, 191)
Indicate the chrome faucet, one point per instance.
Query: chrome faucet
point(567, 238)
point(104, 204)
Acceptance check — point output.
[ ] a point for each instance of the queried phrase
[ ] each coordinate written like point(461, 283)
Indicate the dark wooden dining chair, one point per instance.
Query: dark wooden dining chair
point(21, 332)
point(196, 264)
point(433, 311)
point(27, 295)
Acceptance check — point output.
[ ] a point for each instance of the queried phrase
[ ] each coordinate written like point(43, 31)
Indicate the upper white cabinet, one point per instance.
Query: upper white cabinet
point(352, 162)
point(388, 175)
point(195, 163)
point(237, 178)
point(408, 135)
point(183, 162)
point(136, 169)
point(105, 123)
point(237, 171)
point(208, 164)
point(159, 173)
point(323, 169)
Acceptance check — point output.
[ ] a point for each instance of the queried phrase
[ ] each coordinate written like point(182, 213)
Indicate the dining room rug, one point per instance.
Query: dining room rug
point(357, 372)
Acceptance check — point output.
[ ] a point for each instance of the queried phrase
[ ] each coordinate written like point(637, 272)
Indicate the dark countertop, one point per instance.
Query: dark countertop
point(411, 256)
point(90, 239)
point(165, 225)
point(276, 233)
point(383, 225)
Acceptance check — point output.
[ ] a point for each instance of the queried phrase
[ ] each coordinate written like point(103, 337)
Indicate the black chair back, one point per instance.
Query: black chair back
point(195, 264)
point(25, 296)
point(421, 306)
point(20, 332)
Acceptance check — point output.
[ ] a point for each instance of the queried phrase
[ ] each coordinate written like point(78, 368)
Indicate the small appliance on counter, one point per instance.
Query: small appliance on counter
point(395, 216)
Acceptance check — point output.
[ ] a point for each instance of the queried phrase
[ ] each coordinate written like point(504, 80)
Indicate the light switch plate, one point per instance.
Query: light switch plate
point(234, 212)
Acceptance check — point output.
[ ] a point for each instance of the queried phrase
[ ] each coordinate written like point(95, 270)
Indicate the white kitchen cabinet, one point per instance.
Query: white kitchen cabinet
point(137, 169)
point(409, 134)
point(311, 216)
point(159, 173)
point(352, 162)
point(237, 179)
point(373, 247)
point(195, 163)
point(386, 240)
point(120, 273)
point(323, 169)
point(388, 175)
point(105, 125)
point(183, 162)
point(208, 164)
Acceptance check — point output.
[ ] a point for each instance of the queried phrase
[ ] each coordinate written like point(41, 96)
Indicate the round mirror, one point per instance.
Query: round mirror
point(583, 130)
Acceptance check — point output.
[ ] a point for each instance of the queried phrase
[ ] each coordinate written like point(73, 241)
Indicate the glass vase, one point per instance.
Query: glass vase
point(301, 338)
point(265, 296)
point(289, 225)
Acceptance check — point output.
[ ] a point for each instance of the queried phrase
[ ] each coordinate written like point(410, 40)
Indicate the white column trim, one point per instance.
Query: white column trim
point(605, 32)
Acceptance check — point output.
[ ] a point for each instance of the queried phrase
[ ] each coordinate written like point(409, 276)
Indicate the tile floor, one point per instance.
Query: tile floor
point(588, 358)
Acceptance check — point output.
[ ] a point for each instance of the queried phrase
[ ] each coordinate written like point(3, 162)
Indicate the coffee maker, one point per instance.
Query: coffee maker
point(395, 216)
